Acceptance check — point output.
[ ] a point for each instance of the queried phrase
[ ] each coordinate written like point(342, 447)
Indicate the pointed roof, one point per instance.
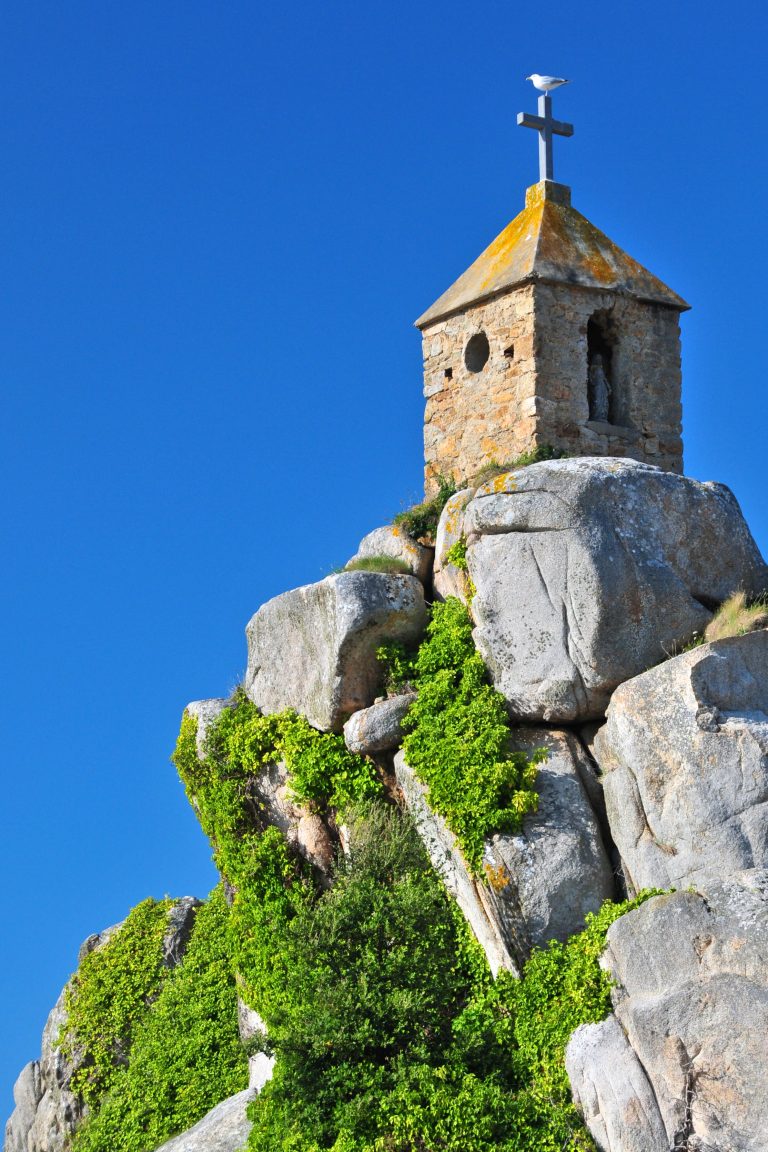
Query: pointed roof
point(552, 242)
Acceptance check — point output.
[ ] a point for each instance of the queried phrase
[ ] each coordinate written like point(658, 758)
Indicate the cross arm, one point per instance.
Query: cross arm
point(558, 127)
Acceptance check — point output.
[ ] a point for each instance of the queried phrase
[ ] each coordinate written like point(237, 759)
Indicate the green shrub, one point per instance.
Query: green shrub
point(185, 1054)
point(421, 520)
point(458, 736)
point(389, 564)
point(377, 969)
point(391, 1036)
point(399, 667)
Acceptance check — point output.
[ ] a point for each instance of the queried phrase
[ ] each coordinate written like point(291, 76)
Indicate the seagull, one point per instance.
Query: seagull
point(546, 83)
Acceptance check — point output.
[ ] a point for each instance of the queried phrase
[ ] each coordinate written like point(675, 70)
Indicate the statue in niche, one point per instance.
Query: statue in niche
point(599, 389)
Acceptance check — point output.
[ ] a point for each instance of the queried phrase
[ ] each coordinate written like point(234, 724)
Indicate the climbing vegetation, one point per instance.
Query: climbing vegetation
point(171, 1035)
point(108, 996)
point(458, 736)
point(391, 1035)
point(271, 883)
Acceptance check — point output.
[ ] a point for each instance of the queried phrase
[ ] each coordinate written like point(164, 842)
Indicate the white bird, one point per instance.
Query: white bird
point(546, 83)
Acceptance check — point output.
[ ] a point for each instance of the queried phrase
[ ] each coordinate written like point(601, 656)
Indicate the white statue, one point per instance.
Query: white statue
point(599, 389)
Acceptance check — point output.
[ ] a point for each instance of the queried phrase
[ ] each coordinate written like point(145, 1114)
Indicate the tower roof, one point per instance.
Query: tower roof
point(551, 242)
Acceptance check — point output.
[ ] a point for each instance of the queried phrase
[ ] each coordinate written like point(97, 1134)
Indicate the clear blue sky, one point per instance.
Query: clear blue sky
point(218, 224)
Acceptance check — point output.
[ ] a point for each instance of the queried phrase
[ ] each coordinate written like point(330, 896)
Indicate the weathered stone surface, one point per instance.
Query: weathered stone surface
point(684, 757)
point(47, 1112)
point(224, 1129)
point(314, 648)
point(612, 1091)
point(392, 541)
point(181, 921)
point(448, 579)
point(589, 571)
point(539, 883)
point(27, 1094)
point(691, 996)
point(377, 729)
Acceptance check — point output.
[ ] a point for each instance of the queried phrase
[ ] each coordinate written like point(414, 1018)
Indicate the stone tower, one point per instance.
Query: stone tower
point(554, 336)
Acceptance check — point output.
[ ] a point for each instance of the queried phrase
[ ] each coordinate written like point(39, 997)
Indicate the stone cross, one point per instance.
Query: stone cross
point(547, 127)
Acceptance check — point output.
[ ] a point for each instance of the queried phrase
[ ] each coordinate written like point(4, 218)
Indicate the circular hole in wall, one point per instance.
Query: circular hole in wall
point(477, 352)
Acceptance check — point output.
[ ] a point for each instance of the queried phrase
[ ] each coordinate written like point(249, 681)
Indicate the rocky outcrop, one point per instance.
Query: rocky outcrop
point(590, 571)
point(690, 1019)
point(393, 542)
point(378, 728)
point(684, 757)
point(540, 883)
point(46, 1112)
point(314, 649)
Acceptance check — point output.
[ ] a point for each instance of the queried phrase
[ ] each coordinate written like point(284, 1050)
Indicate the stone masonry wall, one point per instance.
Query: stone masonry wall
point(646, 374)
point(533, 388)
point(474, 417)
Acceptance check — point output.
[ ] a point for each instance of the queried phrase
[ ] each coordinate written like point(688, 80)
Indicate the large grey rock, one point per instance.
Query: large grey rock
point(589, 571)
point(684, 757)
point(448, 579)
point(393, 542)
point(378, 728)
point(224, 1129)
point(691, 996)
point(314, 648)
point(46, 1112)
point(612, 1091)
point(541, 882)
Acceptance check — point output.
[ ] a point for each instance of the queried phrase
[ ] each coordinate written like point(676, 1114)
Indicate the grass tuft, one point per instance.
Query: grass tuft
point(388, 564)
point(736, 616)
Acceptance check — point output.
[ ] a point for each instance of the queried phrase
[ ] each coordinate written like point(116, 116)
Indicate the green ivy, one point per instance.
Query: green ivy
point(271, 884)
point(109, 995)
point(389, 1033)
point(458, 738)
point(457, 554)
point(377, 968)
point(185, 1053)
point(398, 665)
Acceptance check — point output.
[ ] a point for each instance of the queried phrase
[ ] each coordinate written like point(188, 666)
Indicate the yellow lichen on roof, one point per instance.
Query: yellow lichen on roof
point(552, 242)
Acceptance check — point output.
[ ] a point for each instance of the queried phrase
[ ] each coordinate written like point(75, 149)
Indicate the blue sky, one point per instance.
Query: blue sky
point(218, 224)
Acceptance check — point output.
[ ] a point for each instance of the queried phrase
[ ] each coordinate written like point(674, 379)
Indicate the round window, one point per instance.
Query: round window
point(477, 352)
